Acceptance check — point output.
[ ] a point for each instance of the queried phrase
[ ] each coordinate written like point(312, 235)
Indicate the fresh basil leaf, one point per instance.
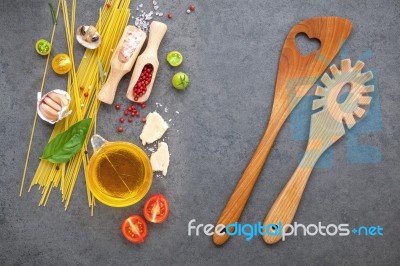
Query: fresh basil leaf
point(67, 144)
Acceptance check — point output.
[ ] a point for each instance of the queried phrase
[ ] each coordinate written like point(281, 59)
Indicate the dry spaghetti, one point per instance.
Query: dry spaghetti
point(84, 104)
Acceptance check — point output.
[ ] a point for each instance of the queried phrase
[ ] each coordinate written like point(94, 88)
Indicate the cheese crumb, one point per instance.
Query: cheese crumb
point(160, 159)
point(154, 128)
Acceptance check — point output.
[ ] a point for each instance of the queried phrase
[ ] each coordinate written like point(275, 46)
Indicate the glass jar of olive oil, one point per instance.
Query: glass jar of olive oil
point(119, 173)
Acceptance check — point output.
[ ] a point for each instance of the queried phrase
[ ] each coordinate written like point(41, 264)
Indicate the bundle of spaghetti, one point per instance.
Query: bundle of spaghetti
point(84, 104)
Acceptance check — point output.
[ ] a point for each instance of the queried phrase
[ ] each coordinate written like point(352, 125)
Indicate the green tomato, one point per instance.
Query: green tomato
point(180, 81)
point(174, 58)
point(43, 47)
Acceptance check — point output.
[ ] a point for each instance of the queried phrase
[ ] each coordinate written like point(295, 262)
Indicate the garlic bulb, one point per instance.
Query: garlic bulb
point(53, 106)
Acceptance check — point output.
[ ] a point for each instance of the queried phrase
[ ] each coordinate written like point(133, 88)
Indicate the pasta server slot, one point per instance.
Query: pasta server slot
point(296, 75)
point(145, 70)
point(327, 126)
point(122, 61)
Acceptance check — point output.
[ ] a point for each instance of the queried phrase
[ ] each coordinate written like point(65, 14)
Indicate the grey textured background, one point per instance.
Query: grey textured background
point(231, 51)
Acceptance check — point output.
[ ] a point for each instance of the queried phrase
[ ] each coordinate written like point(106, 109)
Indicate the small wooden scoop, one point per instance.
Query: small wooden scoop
point(327, 126)
point(296, 75)
point(149, 56)
point(122, 61)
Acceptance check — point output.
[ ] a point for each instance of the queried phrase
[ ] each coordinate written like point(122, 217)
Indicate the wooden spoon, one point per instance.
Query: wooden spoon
point(149, 56)
point(122, 61)
point(296, 75)
point(327, 126)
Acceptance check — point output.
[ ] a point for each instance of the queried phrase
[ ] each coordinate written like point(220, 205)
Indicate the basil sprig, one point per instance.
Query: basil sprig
point(53, 14)
point(67, 144)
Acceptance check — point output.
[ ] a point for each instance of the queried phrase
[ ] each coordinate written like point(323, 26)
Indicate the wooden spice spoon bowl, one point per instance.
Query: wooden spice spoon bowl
point(149, 56)
point(296, 75)
point(120, 64)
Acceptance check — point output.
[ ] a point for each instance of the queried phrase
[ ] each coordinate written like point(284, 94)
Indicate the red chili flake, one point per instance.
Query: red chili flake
point(108, 5)
point(117, 106)
point(169, 15)
point(120, 129)
point(82, 88)
point(126, 112)
point(144, 119)
point(192, 7)
point(86, 94)
point(122, 120)
point(130, 119)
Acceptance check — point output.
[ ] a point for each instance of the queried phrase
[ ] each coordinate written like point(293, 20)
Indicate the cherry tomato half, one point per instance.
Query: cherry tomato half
point(134, 229)
point(43, 47)
point(61, 64)
point(156, 209)
point(174, 58)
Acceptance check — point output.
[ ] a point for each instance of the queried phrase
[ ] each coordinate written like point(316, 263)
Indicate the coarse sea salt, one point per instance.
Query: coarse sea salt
point(130, 44)
point(143, 20)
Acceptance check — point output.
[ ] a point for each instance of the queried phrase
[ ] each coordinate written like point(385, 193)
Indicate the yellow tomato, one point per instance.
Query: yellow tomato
point(61, 64)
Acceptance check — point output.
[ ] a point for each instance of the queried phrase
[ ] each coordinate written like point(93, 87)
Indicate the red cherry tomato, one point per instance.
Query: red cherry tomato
point(156, 209)
point(134, 228)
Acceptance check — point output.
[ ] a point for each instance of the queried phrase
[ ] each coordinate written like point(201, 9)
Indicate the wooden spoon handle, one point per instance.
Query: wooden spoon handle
point(285, 206)
point(244, 187)
point(157, 32)
point(107, 93)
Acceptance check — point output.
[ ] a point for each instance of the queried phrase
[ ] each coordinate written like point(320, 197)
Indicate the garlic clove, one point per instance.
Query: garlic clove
point(52, 104)
point(58, 98)
point(49, 112)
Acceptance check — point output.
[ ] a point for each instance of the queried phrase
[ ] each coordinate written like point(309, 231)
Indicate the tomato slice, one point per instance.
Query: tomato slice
point(134, 228)
point(156, 209)
point(43, 47)
point(174, 58)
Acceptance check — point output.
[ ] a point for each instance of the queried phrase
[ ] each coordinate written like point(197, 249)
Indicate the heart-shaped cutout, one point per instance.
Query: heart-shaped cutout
point(306, 45)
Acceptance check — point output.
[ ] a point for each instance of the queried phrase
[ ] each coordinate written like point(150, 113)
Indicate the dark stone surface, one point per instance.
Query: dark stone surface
point(231, 51)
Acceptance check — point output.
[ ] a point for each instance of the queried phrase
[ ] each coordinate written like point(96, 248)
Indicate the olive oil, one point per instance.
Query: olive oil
point(119, 174)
